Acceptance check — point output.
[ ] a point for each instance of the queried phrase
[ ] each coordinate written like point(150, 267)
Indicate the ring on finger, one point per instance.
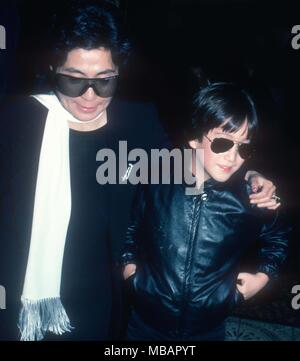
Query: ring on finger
point(276, 198)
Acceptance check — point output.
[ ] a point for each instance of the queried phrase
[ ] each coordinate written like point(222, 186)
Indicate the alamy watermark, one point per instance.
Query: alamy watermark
point(296, 39)
point(296, 299)
point(161, 166)
point(2, 37)
point(2, 298)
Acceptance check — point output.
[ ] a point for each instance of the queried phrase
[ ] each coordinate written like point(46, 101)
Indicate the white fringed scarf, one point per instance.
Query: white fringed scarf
point(42, 309)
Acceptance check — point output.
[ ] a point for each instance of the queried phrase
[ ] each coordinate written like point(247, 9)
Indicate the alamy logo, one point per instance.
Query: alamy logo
point(2, 298)
point(296, 39)
point(2, 37)
point(133, 167)
point(296, 299)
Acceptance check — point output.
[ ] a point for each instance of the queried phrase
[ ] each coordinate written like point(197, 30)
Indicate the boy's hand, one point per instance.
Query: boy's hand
point(129, 270)
point(263, 191)
point(249, 283)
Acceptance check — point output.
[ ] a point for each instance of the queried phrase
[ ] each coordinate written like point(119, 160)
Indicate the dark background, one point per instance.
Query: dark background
point(177, 44)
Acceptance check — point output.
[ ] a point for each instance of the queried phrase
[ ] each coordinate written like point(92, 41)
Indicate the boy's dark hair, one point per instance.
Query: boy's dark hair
point(88, 25)
point(222, 104)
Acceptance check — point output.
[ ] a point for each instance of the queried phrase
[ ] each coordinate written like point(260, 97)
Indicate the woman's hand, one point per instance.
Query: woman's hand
point(129, 270)
point(263, 191)
point(249, 283)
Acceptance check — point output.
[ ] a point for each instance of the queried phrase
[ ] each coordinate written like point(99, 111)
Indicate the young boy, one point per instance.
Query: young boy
point(182, 252)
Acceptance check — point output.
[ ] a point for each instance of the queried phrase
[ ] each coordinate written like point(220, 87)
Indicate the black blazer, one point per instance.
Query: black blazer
point(22, 127)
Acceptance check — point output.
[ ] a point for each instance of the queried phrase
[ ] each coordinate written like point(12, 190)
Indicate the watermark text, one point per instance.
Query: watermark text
point(2, 37)
point(159, 166)
point(2, 298)
point(296, 299)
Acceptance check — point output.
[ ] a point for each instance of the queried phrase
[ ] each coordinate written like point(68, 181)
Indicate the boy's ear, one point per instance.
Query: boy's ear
point(195, 144)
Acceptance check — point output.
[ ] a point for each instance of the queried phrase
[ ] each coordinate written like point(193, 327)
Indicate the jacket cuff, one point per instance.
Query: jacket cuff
point(127, 258)
point(269, 269)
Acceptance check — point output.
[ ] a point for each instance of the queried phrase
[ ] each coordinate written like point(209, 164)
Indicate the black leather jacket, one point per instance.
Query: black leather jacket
point(187, 250)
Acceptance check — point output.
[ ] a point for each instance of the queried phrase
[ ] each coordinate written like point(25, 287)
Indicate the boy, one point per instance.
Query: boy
point(182, 252)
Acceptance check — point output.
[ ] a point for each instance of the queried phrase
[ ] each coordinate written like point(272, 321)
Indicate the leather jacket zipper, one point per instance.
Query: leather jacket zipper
point(197, 205)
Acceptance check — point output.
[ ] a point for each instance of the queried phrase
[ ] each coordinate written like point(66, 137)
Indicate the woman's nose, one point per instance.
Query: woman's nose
point(89, 94)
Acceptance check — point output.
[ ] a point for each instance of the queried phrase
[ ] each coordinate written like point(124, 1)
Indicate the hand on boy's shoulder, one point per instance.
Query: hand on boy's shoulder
point(263, 191)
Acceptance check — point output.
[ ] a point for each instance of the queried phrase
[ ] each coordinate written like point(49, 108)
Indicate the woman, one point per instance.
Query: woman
point(58, 225)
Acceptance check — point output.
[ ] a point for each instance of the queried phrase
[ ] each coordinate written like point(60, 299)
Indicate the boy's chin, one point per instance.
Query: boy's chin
point(222, 177)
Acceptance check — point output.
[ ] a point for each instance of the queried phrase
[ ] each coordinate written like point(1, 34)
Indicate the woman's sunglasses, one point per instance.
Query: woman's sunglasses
point(222, 145)
point(75, 87)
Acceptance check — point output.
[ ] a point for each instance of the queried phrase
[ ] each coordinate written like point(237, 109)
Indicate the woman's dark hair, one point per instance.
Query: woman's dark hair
point(88, 25)
point(223, 105)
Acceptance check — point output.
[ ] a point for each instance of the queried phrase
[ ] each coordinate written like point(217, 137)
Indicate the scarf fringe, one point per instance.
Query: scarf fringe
point(38, 317)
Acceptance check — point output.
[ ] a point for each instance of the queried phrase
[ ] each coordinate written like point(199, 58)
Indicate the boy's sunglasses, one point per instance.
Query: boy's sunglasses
point(222, 145)
point(75, 87)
